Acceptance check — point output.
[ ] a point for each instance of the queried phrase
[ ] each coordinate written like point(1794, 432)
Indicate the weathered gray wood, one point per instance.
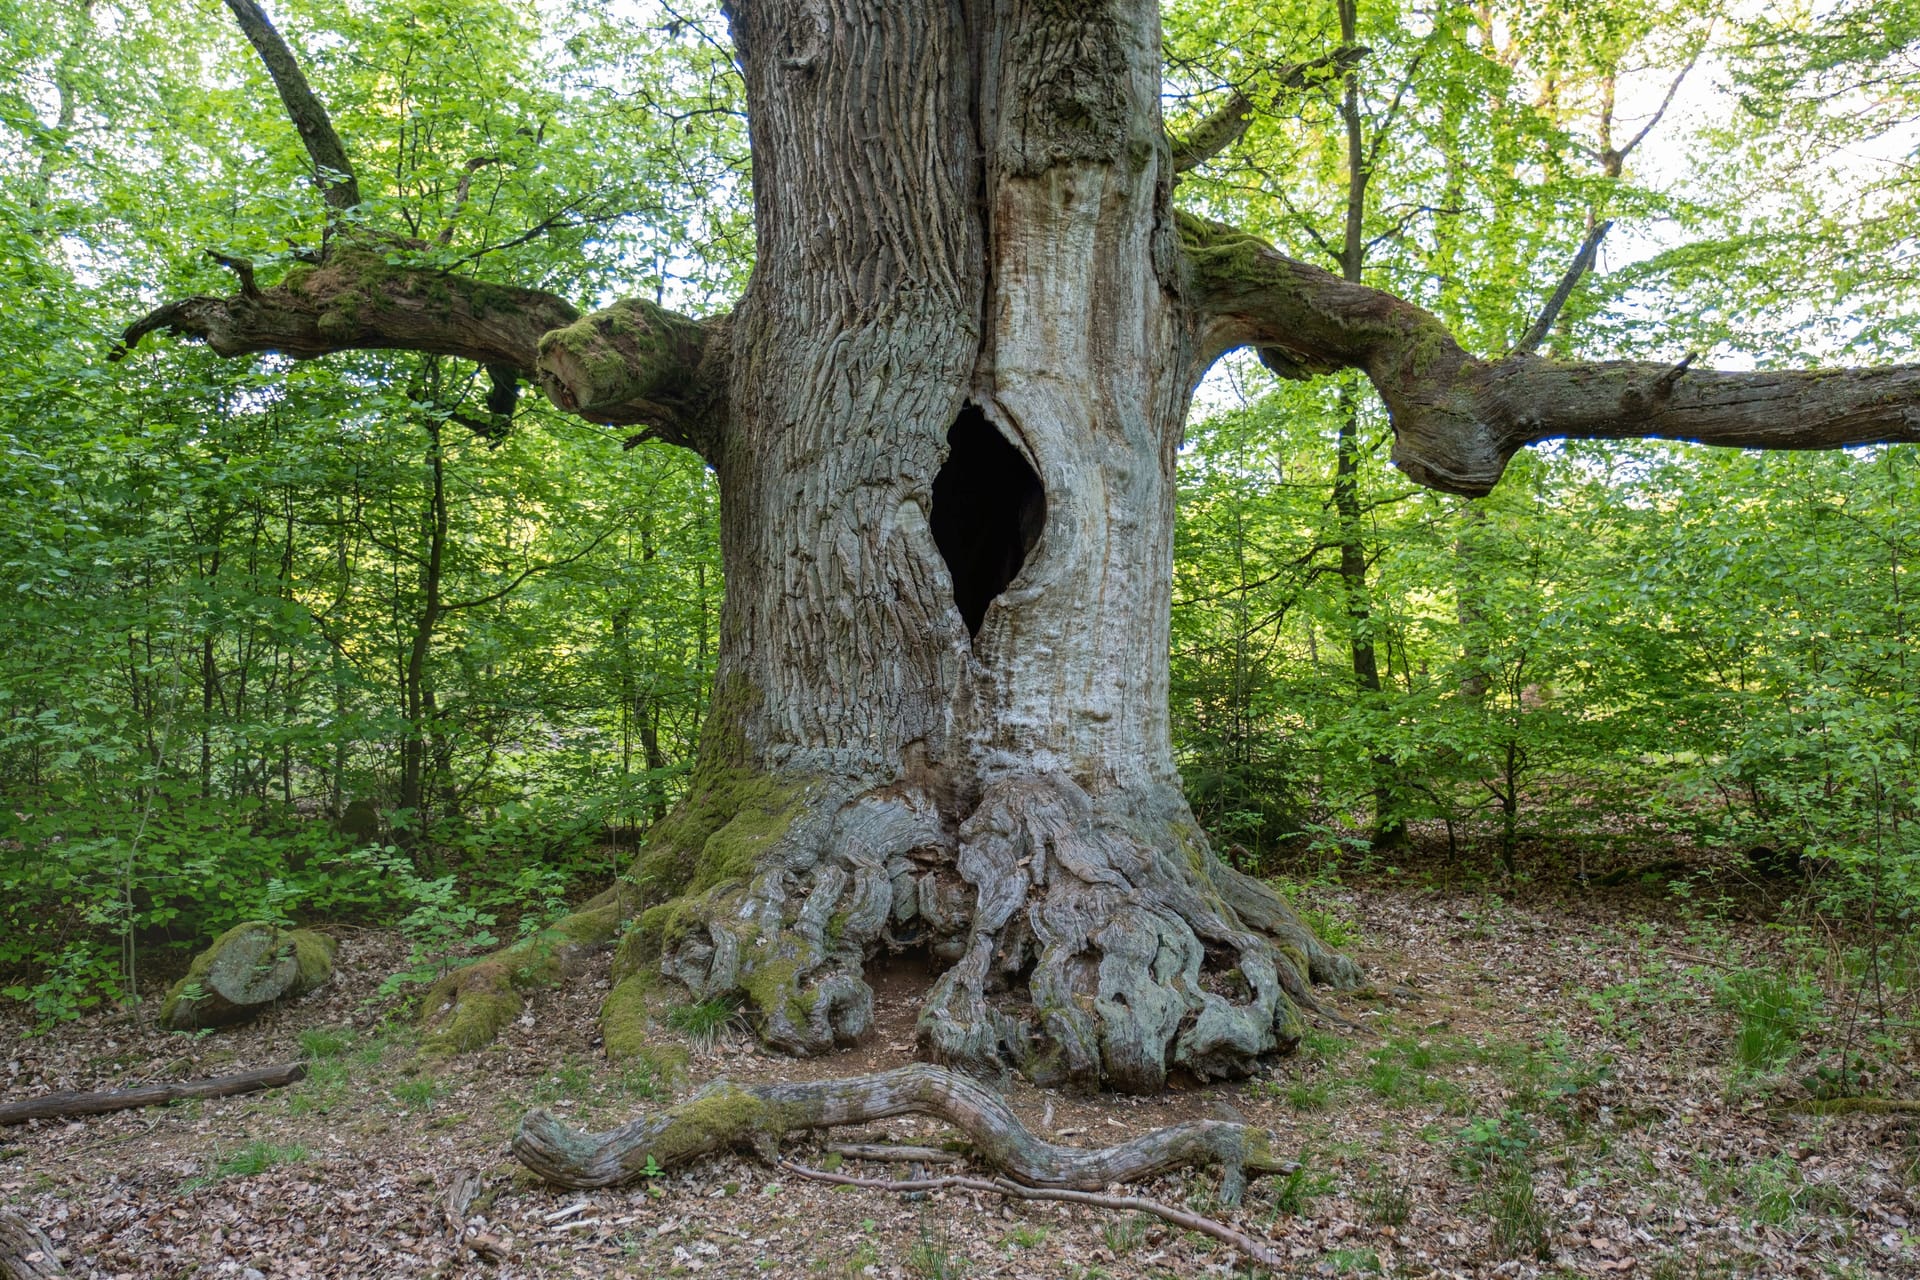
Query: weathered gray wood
point(26, 1254)
point(726, 1116)
point(887, 1151)
point(78, 1103)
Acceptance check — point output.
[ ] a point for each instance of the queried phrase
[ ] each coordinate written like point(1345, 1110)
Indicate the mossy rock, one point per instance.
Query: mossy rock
point(247, 969)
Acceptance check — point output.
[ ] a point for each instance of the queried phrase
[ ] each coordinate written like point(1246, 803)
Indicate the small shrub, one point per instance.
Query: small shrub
point(1521, 1226)
point(255, 1158)
point(1490, 1143)
point(1775, 1012)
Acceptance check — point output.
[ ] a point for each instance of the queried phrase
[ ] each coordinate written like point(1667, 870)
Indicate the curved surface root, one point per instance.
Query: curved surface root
point(466, 1009)
point(726, 1116)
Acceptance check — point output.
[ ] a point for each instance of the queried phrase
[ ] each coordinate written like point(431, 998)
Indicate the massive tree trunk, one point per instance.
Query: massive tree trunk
point(947, 496)
point(944, 420)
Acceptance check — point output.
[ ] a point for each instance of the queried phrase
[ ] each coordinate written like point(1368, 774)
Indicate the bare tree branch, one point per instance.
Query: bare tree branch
point(460, 194)
point(1581, 264)
point(634, 363)
point(1457, 418)
point(333, 172)
point(1228, 123)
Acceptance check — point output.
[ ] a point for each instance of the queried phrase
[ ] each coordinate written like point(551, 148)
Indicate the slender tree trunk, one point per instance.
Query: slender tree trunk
point(417, 693)
point(1389, 829)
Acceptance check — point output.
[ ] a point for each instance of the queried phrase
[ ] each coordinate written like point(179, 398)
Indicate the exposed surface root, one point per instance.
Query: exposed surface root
point(726, 1116)
point(1085, 940)
point(466, 1009)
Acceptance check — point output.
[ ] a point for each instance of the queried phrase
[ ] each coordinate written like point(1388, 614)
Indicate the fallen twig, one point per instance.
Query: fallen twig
point(1246, 1244)
point(461, 1193)
point(890, 1151)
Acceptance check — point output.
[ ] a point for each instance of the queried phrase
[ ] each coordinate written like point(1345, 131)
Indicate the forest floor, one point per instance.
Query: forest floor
point(1543, 1084)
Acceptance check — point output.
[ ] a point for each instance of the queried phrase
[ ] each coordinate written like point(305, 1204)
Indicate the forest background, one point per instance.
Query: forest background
point(321, 642)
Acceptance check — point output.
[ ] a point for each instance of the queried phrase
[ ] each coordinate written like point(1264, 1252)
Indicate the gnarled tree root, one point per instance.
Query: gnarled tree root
point(726, 1116)
point(467, 1008)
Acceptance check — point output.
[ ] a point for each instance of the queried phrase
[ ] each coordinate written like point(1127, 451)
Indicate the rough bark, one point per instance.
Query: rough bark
point(333, 172)
point(1457, 418)
point(26, 1254)
point(944, 421)
point(726, 1116)
point(55, 1105)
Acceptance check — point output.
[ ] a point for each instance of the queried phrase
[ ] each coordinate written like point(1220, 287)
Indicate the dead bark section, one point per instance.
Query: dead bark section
point(726, 1117)
point(84, 1103)
point(1457, 419)
point(26, 1254)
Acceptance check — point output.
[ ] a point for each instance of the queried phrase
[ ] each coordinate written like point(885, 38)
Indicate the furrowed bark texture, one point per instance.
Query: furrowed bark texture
point(944, 420)
point(960, 376)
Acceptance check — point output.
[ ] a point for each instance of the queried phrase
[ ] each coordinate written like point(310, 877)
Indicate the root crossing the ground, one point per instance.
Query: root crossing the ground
point(726, 1116)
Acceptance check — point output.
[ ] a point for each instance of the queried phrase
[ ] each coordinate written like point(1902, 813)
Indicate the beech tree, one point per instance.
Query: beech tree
point(943, 417)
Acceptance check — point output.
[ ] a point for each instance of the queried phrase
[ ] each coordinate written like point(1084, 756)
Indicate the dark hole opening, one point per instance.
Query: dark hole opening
point(988, 508)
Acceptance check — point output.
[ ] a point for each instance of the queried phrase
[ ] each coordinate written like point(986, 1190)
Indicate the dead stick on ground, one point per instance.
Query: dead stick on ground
point(890, 1151)
point(461, 1193)
point(1246, 1244)
point(55, 1105)
point(25, 1254)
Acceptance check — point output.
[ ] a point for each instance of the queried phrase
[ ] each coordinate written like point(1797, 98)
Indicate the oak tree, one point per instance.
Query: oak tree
point(943, 417)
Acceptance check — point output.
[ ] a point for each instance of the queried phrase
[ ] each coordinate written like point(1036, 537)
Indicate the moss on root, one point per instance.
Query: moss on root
point(626, 1018)
point(467, 1008)
point(722, 1117)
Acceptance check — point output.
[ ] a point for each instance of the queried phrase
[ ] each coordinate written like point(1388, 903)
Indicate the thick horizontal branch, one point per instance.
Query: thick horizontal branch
point(726, 1116)
point(356, 300)
point(1457, 418)
point(658, 368)
point(636, 362)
